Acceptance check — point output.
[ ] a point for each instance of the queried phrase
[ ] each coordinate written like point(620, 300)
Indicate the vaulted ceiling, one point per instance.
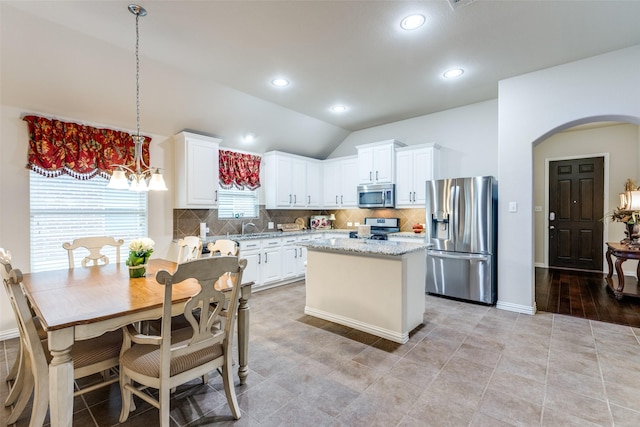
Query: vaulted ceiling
point(207, 66)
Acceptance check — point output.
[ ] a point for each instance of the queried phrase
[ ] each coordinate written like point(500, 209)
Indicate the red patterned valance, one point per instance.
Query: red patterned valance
point(239, 170)
point(57, 148)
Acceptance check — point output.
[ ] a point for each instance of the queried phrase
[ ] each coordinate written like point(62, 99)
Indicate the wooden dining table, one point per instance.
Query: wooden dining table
point(82, 303)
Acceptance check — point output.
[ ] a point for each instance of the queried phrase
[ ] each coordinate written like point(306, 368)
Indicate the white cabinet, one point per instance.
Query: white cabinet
point(301, 257)
point(196, 171)
point(376, 162)
point(314, 184)
point(340, 183)
point(251, 251)
point(415, 165)
point(264, 261)
point(291, 181)
point(271, 261)
point(290, 254)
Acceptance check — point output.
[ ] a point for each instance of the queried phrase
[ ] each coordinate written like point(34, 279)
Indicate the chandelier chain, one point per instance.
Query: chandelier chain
point(137, 77)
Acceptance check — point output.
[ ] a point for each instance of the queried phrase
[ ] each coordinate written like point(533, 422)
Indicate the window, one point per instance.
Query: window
point(64, 208)
point(236, 203)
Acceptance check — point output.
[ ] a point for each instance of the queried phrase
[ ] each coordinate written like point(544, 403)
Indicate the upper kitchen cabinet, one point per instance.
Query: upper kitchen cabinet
point(376, 162)
point(340, 183)
point(196, 171)
point(291, 181)
point(415, 165)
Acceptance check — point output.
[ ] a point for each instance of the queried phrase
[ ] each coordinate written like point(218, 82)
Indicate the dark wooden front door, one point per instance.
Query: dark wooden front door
point(576, 197)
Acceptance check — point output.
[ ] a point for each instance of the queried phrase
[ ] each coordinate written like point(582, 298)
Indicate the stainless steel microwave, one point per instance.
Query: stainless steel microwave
point(377, 196)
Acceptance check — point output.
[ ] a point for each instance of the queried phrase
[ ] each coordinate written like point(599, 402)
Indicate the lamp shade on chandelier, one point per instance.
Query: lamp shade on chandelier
point(137, 176)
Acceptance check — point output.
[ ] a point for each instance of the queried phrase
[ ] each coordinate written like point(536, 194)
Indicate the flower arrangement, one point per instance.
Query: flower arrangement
point(139, 252)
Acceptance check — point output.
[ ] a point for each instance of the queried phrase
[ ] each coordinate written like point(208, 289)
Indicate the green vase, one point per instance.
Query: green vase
point(137, 266)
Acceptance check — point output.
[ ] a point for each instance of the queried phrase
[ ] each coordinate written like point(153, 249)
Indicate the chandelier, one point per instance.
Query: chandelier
point(135, 175)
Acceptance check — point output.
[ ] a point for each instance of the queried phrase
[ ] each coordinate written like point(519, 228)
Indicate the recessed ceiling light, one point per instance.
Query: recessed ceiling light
point(453, 73)
point(339, 108)
point(412, 22)
point(249, 137)
point(280, 82)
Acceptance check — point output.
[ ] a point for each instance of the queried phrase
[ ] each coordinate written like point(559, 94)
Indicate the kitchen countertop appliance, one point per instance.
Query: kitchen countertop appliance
point(461, 234)
point(380, 227)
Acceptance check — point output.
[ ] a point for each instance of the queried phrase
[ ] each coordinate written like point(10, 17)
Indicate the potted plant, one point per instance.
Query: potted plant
point(139, 252)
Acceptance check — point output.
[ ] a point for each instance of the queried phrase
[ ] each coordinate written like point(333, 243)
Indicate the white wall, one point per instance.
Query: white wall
point(532, 107)
point(14, 198)
point(619, 142)
point(468, 136)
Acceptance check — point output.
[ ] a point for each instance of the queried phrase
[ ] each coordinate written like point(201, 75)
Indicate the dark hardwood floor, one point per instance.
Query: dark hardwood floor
point(586, 295)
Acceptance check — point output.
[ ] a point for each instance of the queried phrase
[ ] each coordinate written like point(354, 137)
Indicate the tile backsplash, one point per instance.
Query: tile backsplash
point(186, 222)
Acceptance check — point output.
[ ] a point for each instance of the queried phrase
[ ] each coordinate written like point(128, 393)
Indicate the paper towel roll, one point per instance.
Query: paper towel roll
point(364, 230)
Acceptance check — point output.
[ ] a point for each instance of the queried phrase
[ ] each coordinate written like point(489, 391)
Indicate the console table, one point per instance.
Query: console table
point(622, 252)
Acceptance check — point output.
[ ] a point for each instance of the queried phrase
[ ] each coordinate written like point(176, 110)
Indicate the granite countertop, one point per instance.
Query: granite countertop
point(364, 246)
point(275, 234)
point(269, 235)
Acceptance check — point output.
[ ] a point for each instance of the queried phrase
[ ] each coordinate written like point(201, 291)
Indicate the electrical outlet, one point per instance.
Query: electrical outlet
point(270, 225)
point(279, 226)
point(356, 224)
point(349, 224)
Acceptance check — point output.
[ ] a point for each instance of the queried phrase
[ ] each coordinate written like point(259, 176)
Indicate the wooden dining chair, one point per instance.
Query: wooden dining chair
point(16, 376)
point(176, 357)
point(223, 247)
point(94, 245)
point(190, 249)
point(90, 356)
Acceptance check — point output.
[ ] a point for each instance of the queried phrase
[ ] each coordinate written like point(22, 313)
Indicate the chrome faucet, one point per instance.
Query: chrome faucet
point(248, 224)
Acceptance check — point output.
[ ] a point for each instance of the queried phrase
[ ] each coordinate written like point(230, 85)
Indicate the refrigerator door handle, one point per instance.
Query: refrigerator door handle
point(478, 257)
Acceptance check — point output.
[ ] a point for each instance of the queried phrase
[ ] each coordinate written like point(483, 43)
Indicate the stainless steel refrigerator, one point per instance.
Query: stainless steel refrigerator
point(462, 238)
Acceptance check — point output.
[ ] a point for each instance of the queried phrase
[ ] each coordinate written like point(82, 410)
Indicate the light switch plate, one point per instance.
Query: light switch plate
point(513, 207)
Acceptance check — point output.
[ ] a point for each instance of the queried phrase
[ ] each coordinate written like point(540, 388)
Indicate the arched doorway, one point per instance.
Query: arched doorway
point(572, 292)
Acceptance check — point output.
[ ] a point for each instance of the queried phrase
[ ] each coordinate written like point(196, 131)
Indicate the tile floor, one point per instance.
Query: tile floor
point(469, 365)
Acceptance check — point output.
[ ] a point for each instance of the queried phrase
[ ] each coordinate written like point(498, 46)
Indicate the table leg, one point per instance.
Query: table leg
point(243, 333)
point(618, 291)
point(609, 263)
point(61, 378)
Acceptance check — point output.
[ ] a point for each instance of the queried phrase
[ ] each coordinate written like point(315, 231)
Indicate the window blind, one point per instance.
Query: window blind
point(64, 208)
point(234, 203)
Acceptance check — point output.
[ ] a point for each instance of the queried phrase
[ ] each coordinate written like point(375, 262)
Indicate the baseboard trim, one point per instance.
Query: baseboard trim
point(518, 308)
point(9, 334)
point(365, 327)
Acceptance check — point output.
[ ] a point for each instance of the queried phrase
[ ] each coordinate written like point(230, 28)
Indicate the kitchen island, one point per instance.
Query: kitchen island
point(373, 286)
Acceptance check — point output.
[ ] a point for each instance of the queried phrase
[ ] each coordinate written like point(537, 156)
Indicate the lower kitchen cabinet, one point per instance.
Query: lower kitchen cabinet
point(271, 261)
point(290, 253)
point(251, 251)
point(274, 261)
